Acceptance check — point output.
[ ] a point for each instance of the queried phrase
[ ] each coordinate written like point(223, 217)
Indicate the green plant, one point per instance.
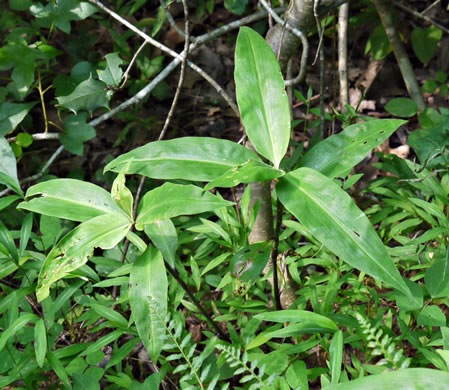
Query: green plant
point(187, 302)
point(308, 192)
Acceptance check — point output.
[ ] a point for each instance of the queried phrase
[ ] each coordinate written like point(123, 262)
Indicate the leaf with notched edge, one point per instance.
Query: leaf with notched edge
point(88, 95)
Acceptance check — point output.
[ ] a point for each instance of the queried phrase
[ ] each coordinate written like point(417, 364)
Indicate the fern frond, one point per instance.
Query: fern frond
point(238, 361)
point(381, 344)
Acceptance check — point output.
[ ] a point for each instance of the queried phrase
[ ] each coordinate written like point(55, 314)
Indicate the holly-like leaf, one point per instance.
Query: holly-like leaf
point(113, 73)
point(61, 13)
point(89, 95)
point(73, 251)
point(77, 131)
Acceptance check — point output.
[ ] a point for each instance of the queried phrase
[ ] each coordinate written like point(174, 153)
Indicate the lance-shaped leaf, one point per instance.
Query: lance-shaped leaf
point(148, 299)
point(171, 200)
point(261, 96)
point(334, 219)
point(164, 237)
point(407, 378)
point(299, 316)
point(336, 155)
point(8, 167)
point(437, 277)
point(73, 251)
point(188, 158)
point(248, 172)
point(71, 199)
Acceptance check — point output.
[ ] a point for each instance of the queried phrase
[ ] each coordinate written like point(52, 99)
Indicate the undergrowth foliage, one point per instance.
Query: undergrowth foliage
point(380, 344)
point(110, 284)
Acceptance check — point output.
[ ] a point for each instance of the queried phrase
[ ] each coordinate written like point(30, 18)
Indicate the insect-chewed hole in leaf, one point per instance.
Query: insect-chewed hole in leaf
point(357, 234)
point(382, 131)
point(365, 142)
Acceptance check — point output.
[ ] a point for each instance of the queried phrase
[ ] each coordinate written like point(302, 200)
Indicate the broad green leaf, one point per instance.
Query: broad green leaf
point(427, 142)
point(24, 139)
point(73, 251)
point(188, 158)
point(445, 333)
point(431, 316)
point(261, 96)
point(40, 342)
point(336, 356)
point(7, 267)
point(88, 95)
point(85, 381)
point(7, 200)
point(18, 324)
point(8, 167)
point(171, 200)
point(336, 155)
point(164, 237)
point(248, 172)
point(71, 199)
point(299, 316)
point(148, 299)
point(437, 278)
point(112, 74)
point(236, 6)
point(425, 42)
point(76, 132)
point(429, 118)
point(404, 302)
point(408, 378)
point(333, 218)
point(378, 44)
point(296, 375)
point(11, 114)
point(61, 13)
point(22, 58)
point(121, 195)
point(403, 107)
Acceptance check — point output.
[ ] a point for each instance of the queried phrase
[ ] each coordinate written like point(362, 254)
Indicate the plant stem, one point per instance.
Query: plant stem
point(274, 255)
point(383, 8)
point(195, 301)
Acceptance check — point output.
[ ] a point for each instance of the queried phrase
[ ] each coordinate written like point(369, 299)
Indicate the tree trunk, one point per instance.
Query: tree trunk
point(285, 45)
